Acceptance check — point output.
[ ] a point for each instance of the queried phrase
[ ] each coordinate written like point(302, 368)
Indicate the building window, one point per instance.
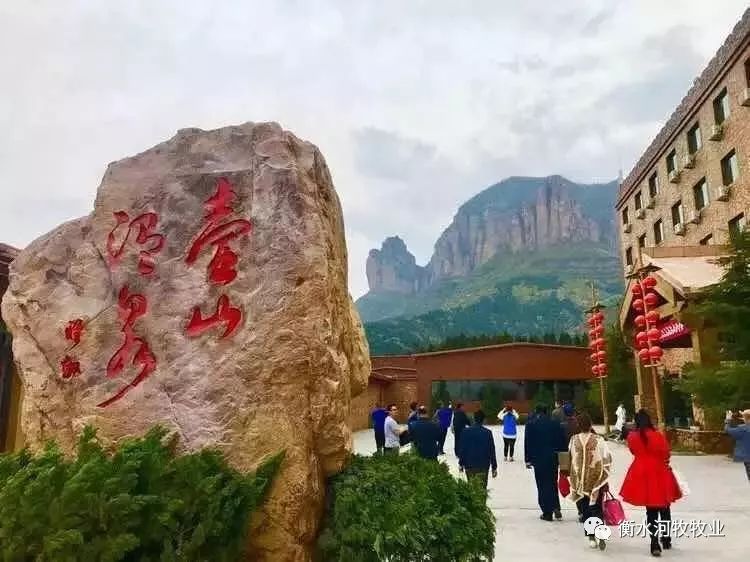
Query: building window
point(730, 168)
point(653, 185)
point(700, 194)
point(695, 142)
point(737, 225)
point(747, 72)
point(658, 231)
point(625, 217)
point(678, 215)
point(721, 107)
point(638, 201)
point(629, 256)
point(706, 240)
point(671, 162)
point(641, 241)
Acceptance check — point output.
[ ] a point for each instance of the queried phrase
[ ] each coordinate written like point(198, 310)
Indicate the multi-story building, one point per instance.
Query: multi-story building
point(689, 190)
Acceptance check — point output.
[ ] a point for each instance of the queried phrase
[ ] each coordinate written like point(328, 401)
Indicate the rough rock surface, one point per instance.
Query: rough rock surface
point(393, 268)
point(257, 207)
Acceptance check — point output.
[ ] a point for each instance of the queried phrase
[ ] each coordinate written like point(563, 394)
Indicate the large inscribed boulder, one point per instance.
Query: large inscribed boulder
point(207, 292)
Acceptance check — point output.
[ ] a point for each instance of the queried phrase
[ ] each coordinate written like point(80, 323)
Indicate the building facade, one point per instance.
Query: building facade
point(516, 371)
point(681, 202)
point(692, 185)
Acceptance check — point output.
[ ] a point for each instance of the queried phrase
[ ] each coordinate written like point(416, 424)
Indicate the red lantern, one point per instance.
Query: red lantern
point(599, 317)
point(601, 356)
point(652, 317)
point(640, 321)
point(637, 289)
point(603, 369)
point(654, 334)
point(599, 342)
point(638, 305)
point(651, 300)
point(599, 330)
point(591, 321)
point(643, 354)
point(641, 338)
point(649, 282)
point(655, 353)
point(594, 357)
point(592, 344)
point(595, 369)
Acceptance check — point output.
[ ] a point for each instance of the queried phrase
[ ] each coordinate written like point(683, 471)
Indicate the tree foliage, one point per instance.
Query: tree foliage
point(143, 503)
point(405, 508)
point(726, 305)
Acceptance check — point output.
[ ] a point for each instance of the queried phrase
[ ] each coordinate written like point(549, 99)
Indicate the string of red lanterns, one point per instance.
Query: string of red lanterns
point(598, 355)
point(647, 340)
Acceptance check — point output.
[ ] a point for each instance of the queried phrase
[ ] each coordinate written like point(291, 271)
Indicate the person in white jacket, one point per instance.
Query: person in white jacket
point(509, 418)
point(621, 414)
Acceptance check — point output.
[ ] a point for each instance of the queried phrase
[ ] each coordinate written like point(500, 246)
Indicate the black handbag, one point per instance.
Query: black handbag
point(404, 438)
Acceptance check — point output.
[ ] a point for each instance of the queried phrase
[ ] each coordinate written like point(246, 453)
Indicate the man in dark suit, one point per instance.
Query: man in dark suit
point(477, 451)
point(460, 422)
point(425, 435)
point(543, 439)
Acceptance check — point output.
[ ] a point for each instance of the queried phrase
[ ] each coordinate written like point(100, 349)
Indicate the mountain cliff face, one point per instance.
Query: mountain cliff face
point(527, 239)
point(393, 268)
point(516, 215)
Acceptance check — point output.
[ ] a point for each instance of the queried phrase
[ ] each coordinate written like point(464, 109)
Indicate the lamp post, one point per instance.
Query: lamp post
point(647, 340)
point(598, 353)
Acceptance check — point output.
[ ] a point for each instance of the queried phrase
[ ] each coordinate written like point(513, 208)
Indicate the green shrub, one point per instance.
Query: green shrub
point(523, 419)
point(402, 509)
point(142, 503)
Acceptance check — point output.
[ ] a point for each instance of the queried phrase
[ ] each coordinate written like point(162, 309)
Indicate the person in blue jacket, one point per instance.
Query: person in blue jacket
point(444, 416)
point(476, 451)
point(509, 418)
point(378, 416)
point(741, 434)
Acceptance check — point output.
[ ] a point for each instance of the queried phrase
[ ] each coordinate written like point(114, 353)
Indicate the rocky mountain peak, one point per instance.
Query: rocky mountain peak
point(393, 268)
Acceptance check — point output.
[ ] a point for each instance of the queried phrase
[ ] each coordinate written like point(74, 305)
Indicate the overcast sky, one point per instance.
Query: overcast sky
point(416, 105)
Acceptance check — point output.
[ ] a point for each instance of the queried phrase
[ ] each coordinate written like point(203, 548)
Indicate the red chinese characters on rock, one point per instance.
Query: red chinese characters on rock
point(218, 233)
point(69, 366)
point(74, 330)
point(151, 241)
point(131, 307)
point(225, 313)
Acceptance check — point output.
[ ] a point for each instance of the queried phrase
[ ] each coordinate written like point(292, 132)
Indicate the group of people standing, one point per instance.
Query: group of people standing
point(558, 445)
point(650, 481)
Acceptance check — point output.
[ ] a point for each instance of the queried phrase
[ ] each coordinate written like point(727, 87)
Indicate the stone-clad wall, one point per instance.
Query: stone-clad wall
point(400, 392)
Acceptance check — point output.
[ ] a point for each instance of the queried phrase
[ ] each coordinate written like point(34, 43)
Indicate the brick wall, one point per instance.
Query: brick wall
point(716, 216)
point(399, 392)
point(362, 405)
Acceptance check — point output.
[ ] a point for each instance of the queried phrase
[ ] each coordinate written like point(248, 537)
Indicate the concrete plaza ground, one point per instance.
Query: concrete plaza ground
point(719, 490)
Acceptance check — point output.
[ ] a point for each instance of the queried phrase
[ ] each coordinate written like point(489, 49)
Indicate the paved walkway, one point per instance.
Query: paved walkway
point(719, 490)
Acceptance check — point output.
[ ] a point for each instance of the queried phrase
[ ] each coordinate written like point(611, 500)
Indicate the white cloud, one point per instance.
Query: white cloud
point(416, 105)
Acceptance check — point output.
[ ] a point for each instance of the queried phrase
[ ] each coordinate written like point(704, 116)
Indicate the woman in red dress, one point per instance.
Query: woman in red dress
point(650, 482)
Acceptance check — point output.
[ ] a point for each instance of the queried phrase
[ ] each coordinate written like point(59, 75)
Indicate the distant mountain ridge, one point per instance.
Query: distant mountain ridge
point(502, 243)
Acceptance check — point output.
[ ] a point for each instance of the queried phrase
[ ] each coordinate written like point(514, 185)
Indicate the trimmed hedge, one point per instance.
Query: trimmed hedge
point(404, 509)
point(142, 503)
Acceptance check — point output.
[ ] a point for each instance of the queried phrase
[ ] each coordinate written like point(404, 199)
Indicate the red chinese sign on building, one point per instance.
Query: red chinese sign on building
point(218, 232)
